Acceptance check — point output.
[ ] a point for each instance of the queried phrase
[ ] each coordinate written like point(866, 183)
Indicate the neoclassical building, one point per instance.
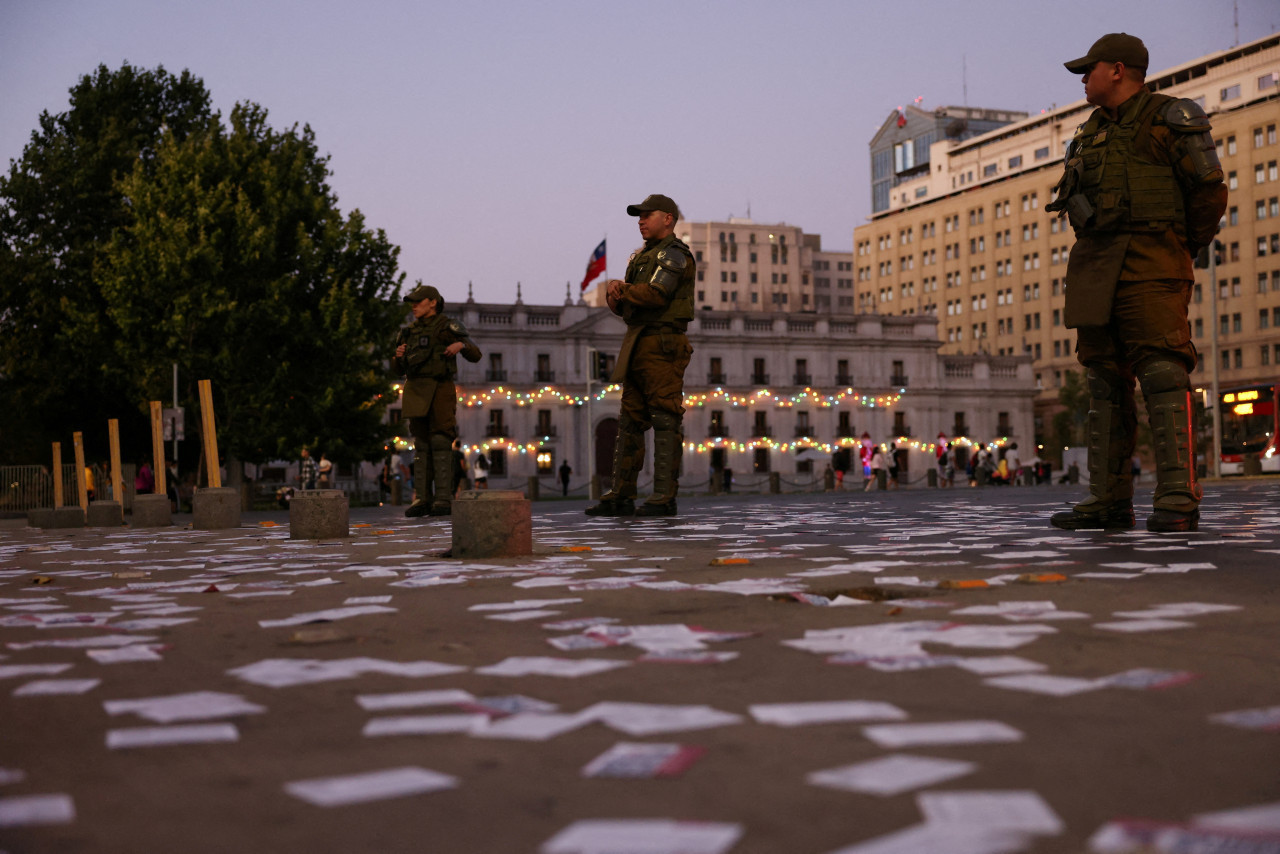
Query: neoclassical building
point(777, 392)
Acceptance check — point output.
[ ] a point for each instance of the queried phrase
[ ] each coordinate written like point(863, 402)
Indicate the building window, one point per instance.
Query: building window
point(546, 461)
point(1230, 93)
point(498, 462)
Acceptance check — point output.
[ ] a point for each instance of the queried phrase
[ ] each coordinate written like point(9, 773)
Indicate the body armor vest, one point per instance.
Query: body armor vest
point(1128, 191)
point(679, 309)
point(424, 356)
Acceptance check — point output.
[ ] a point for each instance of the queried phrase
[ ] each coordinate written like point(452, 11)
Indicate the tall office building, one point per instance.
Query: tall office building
point(744, 265)
point(968, 239)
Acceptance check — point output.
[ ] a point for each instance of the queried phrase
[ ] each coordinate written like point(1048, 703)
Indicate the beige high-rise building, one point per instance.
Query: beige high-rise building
point(969, 239)
point(744, 265)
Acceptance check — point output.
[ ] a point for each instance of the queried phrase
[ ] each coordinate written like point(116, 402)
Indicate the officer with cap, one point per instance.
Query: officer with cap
point(656, 301)
point(1143, 190)
point(426, 354)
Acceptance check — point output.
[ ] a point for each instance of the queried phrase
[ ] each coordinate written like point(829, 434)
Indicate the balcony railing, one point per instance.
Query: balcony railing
point(718, 431)
point(844, 379)
point(544, 431)
point(898, 380)
point(960, 430)
point(803, 379)
point(761, 431)
point(495, 376)
point(715, 379)
point(544, 376)
point(803, 431)
point(496, 431)
point(760, 379)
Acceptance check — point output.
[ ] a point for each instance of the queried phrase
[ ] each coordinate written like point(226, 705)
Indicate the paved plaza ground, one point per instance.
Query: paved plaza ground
point(928, 671)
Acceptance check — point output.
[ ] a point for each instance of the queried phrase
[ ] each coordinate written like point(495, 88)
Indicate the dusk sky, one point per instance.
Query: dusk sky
point(499, 142)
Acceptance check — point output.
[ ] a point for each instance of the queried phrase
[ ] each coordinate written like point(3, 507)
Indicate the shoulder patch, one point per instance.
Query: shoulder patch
point(457, 328)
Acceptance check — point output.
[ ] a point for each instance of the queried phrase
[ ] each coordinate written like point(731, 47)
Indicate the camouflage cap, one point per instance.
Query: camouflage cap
point(422, 292)
point(1113, 47)
point(654, 202)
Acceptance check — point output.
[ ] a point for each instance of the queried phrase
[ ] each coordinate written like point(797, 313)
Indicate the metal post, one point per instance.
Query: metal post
point(591, 433)
point(175, 406)
point(1215, 467)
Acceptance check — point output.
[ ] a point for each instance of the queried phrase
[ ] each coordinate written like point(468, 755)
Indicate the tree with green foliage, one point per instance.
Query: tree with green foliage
point(59, 205)
point(238, 265)
point(137, 232)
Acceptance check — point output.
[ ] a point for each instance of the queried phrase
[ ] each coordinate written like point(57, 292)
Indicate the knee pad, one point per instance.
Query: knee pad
point(666, 421)
point(626, 424)
point(1104, 386)
point(1161, 375)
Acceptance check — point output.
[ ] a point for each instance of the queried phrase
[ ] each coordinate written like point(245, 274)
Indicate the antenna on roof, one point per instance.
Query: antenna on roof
point(964, 77)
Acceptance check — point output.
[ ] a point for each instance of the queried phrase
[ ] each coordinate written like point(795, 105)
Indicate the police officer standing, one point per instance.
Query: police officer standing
point(426, 354)
point(1143, 190)
point(656, 301)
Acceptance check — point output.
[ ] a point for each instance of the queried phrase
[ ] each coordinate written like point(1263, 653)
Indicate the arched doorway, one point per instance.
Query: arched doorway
point(606, 435)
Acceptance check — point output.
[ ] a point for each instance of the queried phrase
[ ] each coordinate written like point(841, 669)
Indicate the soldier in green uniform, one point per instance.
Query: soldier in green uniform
point(1143, 189)
point(656, 301)
point(427, 355)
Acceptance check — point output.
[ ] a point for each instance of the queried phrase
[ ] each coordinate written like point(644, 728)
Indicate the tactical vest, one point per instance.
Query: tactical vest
point(424, 356)
point(1128, 191)
point(679, 309)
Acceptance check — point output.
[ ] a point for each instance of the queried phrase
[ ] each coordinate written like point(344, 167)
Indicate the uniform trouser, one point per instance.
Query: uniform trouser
point(433, 434)
point(652, 396)
point(1147, 340)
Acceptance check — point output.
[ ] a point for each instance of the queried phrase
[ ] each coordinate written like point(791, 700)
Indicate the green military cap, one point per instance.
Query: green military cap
point(422, 292)
point(1113, 47)
point(654, 202)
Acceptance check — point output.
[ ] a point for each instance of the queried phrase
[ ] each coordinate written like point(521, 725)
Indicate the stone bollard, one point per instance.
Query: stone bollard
point(105, 514)
point(775, 482)
point(882, 479)
point(152, 511)
point(216, 508)
point(931, 477)
point(396, 492)
point(319, 514)
point(56, 517)
point(535, 488)
point(492, 523)
point(829, 480)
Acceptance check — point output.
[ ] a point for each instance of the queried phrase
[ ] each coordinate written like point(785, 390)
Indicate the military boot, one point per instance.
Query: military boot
point(1177, 497)
point(422, 486)
point(1111, 439)
point(442, 465)
point(628, 459)
point(667, 445)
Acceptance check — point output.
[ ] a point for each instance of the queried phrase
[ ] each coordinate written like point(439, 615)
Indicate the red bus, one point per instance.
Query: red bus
point(1250, 424)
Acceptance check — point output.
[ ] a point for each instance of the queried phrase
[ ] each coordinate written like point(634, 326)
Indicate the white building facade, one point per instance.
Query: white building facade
point(765, 393)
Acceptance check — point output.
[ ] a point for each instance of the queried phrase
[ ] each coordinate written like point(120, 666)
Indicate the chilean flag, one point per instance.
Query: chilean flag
point(595, 266)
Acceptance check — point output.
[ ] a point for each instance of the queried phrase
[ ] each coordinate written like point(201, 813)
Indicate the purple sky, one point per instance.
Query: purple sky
point(498, 142)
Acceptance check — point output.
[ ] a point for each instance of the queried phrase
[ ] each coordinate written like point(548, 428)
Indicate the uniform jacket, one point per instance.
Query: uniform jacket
point(646, 305)
point(1151, 207)
point(424, 364)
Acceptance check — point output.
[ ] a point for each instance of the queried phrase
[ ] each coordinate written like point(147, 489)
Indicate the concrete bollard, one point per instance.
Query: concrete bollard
point(492, 523)
point(775, 482)
point(829, 480)
point(931, 478)
point(319, 514)
point(152, 511)
point(535, 489)
point(105, 514)
point(56, 517)
point(216, 508)
point(882, 479)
